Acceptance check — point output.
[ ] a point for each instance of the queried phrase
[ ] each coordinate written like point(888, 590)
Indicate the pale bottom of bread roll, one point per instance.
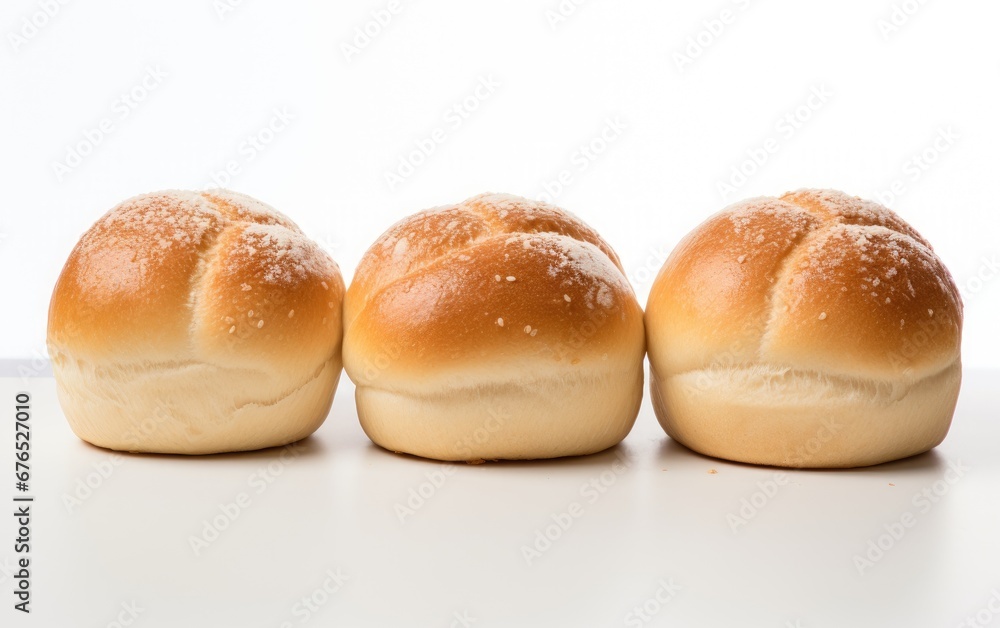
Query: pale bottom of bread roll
point(192, 407)
point(788, 418)
point(549, 418)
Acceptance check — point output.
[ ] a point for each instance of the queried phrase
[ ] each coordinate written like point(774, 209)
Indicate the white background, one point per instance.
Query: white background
point(217, 77)
point(355, 118)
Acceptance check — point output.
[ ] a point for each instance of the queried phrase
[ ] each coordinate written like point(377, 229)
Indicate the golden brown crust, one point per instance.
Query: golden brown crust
point(712, 296)
point(461, 287)
point(120, 281)
point(220, 268)
point(833, 206)
point(852, 300)
point(814, 280)
point(420, 239)
point(254, 301)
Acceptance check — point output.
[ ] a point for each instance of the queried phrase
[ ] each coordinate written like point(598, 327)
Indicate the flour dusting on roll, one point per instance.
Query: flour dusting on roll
point(196, 322)
point(498, 328)
point(812, 330)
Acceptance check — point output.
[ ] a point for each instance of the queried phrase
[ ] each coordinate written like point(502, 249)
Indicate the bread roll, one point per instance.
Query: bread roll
point(498, 328)
point(814, 330)
point(195, 323)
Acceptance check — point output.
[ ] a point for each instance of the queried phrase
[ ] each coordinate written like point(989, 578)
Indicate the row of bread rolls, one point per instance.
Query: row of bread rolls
point(811, 330)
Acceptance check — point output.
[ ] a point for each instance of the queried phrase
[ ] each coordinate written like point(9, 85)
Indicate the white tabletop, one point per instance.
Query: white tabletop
point(653, 534)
